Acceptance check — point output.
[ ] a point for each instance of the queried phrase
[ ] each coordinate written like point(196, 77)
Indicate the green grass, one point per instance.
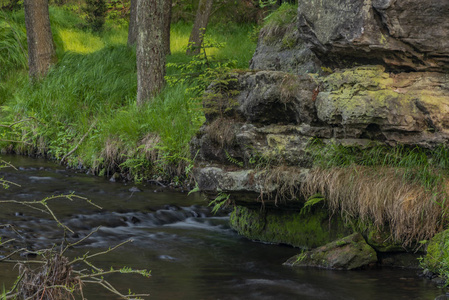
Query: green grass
point(92, 90)
point(284, 15)
point(12, 43)
point(429, 168)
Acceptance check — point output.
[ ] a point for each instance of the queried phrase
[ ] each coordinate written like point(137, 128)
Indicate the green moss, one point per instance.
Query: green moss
point(437, 256)
point(348, 253)
point(288, 42)
point(382, 241)
point(288, 227)
point(283, 16)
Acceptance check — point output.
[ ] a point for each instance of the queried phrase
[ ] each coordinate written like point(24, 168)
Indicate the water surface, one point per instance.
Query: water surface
point(192, 253)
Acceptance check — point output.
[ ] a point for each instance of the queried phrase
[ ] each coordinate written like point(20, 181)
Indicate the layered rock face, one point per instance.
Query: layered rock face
point(354, 73)
point(402, 34)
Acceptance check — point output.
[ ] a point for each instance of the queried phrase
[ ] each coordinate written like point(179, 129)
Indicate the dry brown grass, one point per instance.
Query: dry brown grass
point(149, 146)
point(280, 183)
point(382, 196)
point(52, 281)
point(111, 153)
point(222, 132)
point(289, 88)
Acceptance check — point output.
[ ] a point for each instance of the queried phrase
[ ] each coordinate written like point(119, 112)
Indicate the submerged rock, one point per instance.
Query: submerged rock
point(348, 253)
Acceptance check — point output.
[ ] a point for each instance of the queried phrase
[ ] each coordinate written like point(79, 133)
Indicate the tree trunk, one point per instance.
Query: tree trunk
point(41, 49)
point(167, 22)
point(150, 49)
point(132, 31)
point(199, 27)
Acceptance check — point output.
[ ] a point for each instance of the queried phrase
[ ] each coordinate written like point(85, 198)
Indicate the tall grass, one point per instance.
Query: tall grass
point(92, 91)
point(13, 51)
point(402, 188)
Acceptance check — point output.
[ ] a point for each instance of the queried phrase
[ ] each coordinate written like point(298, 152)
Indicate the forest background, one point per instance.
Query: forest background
point(84, 112)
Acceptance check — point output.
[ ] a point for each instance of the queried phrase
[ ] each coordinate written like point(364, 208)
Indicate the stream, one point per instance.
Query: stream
point(192, 254)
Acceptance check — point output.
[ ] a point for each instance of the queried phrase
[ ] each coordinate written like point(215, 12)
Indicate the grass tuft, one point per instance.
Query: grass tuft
point(403, 189)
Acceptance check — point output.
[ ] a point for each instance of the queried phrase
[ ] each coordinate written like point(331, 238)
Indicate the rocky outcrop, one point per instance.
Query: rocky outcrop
point(351, 252)
point(284, 51)
point(401, 34)
point(279, 113)
point(352, 73)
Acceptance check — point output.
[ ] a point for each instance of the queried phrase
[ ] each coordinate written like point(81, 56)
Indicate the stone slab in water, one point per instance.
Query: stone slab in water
point(348, 253)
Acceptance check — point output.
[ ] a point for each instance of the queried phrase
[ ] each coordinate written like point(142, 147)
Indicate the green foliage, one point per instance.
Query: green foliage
point(233, 160)
point(284, 15)
point(118, 10)
point(11, 5)
point(312, 201)
point(222, 200)
point(92, 90)
point(201, 70)
point(13, 45)
point(96, 14)
point(437, 257)
point(264, 3)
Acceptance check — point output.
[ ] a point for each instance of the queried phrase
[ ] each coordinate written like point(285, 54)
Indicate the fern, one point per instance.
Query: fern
point(233, 160)
point(222, 200)
point(313, 200)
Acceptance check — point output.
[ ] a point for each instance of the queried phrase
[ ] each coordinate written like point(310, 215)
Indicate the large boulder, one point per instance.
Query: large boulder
point(402, 34)
point(351, 252)
point(284, 50)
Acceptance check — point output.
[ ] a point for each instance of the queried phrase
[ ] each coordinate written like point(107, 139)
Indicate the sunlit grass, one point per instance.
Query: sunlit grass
point(92, 90)
point(79, 41)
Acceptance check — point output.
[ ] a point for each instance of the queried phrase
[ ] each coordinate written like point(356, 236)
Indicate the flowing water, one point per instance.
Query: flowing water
point(192, 253)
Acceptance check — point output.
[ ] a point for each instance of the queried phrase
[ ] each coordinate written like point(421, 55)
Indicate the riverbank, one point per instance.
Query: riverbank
point(83, 114)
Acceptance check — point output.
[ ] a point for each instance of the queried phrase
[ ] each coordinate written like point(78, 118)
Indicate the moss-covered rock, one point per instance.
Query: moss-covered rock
point(382, 241)
point(437, 256)
point(288, 227)
point(348, 253)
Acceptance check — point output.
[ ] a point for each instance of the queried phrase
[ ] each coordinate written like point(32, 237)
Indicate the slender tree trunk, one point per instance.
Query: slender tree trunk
point(41, 49)
point(167, 22)
point(150, 49)
point(199, 27)
point(132, 31)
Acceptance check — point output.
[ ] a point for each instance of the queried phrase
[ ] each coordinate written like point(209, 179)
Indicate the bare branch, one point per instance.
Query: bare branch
point(79, 143)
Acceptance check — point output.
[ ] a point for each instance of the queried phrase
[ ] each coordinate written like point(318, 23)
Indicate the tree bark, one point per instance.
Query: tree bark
point(150, 49)
point(199, 27)
point(167, 23)
point(132, 31)
point(41, 49)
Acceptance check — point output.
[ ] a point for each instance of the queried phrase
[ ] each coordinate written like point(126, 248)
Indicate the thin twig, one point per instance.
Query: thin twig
point(15, 123)
point(80, 241)
point(79, 143)
point(7, 164)
point(12, 141)
point(100, 253)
